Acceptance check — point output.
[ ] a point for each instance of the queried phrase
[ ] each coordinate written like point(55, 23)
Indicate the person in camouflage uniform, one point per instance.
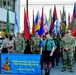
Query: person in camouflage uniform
point(35, 40)
point(67, 43)
point(19, 45)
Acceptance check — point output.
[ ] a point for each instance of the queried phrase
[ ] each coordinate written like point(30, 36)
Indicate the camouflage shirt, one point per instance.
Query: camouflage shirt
point(34, 44)
point(67, 42)
point(19, 44)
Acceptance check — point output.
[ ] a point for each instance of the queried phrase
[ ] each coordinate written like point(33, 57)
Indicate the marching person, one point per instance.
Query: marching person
point(19, 45)
point(67, 45)
point(35, 40)
point(46, 51)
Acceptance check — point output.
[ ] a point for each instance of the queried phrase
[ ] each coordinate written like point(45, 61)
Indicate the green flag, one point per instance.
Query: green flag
point(50, 16)
point(63, 17)
point(72, 23)
point(63, 21)
point(7, 24)
point(63, 27)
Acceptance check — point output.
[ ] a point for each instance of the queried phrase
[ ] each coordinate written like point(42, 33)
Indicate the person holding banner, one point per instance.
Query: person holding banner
point(46, 51)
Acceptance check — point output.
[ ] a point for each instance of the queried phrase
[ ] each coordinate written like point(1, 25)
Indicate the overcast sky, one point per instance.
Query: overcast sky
point(47, 4)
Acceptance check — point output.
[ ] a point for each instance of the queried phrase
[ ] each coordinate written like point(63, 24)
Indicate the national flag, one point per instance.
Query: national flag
point(55, 29)
point(28, 22)
point(46, 25)
point(16, 26)
point(54, 14)
point(60, 27)
point(33, 26)
point(74, 31)
point(73, 17)
point(26, 29)
point(37, 21)
point(69, 23)
point(72, 22)
point(50, 16)
point(50, 21)
point(7, 23)
point(74, 11)
point(40, 31)
point(64, 16)
point(51, 25)
point(63, 27)
point(63, 21)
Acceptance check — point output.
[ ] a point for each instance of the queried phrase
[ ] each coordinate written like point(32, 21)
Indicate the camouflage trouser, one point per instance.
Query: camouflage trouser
point(68, 58)
point(36, 51)
point(18, 52)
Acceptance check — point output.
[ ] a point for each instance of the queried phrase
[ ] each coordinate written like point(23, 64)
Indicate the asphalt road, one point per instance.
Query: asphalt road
point(57, 70)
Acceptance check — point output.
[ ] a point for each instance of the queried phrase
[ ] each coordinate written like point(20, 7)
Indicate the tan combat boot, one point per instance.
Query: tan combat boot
point(70, 70)
point(63, 69)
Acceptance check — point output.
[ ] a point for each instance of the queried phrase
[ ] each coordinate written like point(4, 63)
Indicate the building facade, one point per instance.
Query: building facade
point(13, 6)
point(8, 3)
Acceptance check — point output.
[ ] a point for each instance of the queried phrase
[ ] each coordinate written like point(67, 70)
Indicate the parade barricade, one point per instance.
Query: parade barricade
point(20, 64)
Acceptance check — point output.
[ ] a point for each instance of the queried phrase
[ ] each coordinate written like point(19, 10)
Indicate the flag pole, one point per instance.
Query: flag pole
point(27, 6)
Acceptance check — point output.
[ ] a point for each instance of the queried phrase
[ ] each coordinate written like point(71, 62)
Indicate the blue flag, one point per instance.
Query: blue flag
point(16, 27)
point(74, 11)
point(40, 31)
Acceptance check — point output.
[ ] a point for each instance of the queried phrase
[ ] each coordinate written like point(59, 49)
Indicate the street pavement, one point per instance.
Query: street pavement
point(57, 70)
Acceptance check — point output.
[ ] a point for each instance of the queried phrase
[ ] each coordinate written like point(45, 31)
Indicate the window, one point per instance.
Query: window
point(8, 4)
point(4, 3)
point(0, 3)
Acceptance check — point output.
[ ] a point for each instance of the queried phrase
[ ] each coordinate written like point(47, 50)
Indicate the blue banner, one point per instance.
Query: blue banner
point(20, 64)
